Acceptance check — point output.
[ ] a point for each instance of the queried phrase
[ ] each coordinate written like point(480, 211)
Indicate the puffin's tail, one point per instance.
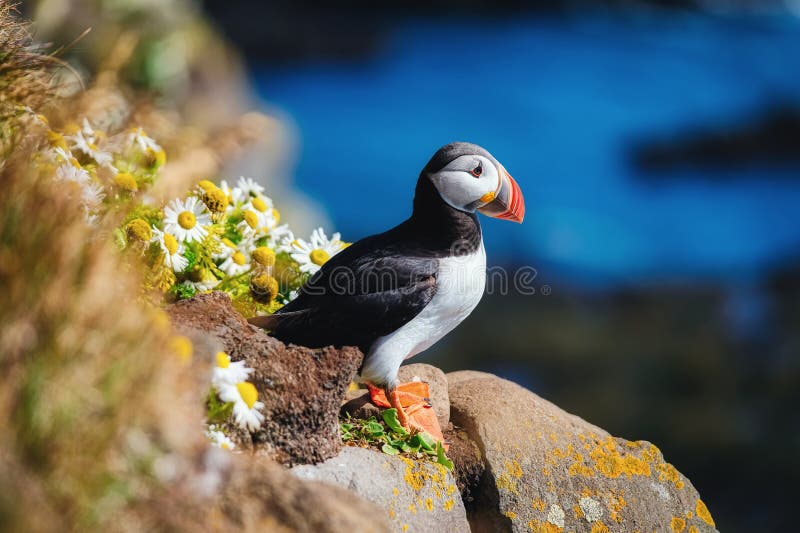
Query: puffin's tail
point(281, 324)
point(268, 322)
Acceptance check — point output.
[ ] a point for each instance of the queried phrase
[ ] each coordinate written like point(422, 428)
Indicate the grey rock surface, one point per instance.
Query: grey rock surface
point(416, 495)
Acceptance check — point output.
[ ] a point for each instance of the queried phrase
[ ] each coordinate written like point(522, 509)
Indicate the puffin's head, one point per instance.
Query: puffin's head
point(470, 179)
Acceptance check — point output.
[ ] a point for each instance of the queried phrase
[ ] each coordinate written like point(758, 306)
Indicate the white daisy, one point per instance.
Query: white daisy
point(138, 137)
point(70, 172)
point(262, 207)
point(219, 439)
point(203, 285)
point(312, 255)
point(249, 187)
point(227, 372)
point(280, 238)
point(238, 262)
point(92, 194)
point(173, 250)
point(64, 155)
point(251, 226)
point(186, 220)
point(246, 407)
point(236, 197)
point(85, 140)
point(225, 248)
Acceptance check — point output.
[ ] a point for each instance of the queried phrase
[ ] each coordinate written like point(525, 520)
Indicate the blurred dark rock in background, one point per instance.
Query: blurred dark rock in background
point(769, 138)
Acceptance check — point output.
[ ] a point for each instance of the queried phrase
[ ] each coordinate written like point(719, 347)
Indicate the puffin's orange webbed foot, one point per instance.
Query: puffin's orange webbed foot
point(414, 409)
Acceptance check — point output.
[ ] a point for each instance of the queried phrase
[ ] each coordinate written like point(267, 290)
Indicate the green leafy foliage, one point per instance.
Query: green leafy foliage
point(183, 291)
point(392, 438)
point(217, 411)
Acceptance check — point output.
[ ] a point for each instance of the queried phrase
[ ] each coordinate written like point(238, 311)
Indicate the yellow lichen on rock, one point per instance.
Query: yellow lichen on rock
point(538, 504)
point(513, 468)
point(617, 503)
point(702, 512)
point(599, 527)
point(537, 526)
point(609, 462)
point(505, 481)
point(667, 472)
point(677, 524)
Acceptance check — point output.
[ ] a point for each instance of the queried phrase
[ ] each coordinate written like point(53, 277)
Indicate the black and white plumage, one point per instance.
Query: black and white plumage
point(396, 293)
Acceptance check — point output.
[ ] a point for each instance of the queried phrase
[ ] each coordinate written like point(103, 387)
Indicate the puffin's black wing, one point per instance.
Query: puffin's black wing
point(364, 292)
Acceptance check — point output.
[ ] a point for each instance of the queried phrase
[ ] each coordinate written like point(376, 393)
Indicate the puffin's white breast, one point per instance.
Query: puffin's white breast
point(460, 283)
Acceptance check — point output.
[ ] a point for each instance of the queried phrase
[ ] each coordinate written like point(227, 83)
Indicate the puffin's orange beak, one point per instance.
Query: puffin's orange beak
point(507, 202)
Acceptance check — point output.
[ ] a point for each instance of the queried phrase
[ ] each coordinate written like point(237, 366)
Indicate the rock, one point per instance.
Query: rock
point(467, 460)
point(259, 495)
point(437, 385)
point(414, 495)
point(548, 470)
point(358, 405)
point(301, 387)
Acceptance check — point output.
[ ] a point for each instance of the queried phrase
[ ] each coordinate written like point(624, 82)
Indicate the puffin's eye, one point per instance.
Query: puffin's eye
point(477, 171)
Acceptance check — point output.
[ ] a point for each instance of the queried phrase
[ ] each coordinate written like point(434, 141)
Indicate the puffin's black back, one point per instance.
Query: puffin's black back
point(381, 282)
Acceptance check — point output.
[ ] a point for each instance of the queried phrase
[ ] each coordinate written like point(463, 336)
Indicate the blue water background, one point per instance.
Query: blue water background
point(559, 101)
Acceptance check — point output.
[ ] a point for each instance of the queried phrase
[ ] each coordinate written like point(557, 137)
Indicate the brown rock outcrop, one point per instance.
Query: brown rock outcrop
point(301, 387)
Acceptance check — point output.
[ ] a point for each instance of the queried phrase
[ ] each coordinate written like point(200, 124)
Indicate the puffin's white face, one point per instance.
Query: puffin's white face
point(467, 182)
point(474, 182)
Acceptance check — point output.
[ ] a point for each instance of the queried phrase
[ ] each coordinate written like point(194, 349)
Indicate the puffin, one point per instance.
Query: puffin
point(397, 293)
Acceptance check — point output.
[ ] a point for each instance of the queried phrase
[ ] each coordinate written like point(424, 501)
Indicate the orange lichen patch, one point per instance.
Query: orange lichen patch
point(504, 481)
point(538, 504)
point(412, 508)
point(404, 527)
point(693, 529)
point(546, 472)
point(689, 514)
point(579, 467)
point(577, 510)
point(677, 524)
point(392, 514)
point(395, 491)
point(617, 503)
point(448, 505)
point(651, 454)
point(667, 472)
point(561, 454)
point(451, 489)
point(513, 468)
point(702, 513)
point(511, 515)
point(421, 474)
point(553, 437)
point(414, 474)
point(537, 526)
point(609, 462)
point(429, 504)
point(599, 527)
point(508, 479)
